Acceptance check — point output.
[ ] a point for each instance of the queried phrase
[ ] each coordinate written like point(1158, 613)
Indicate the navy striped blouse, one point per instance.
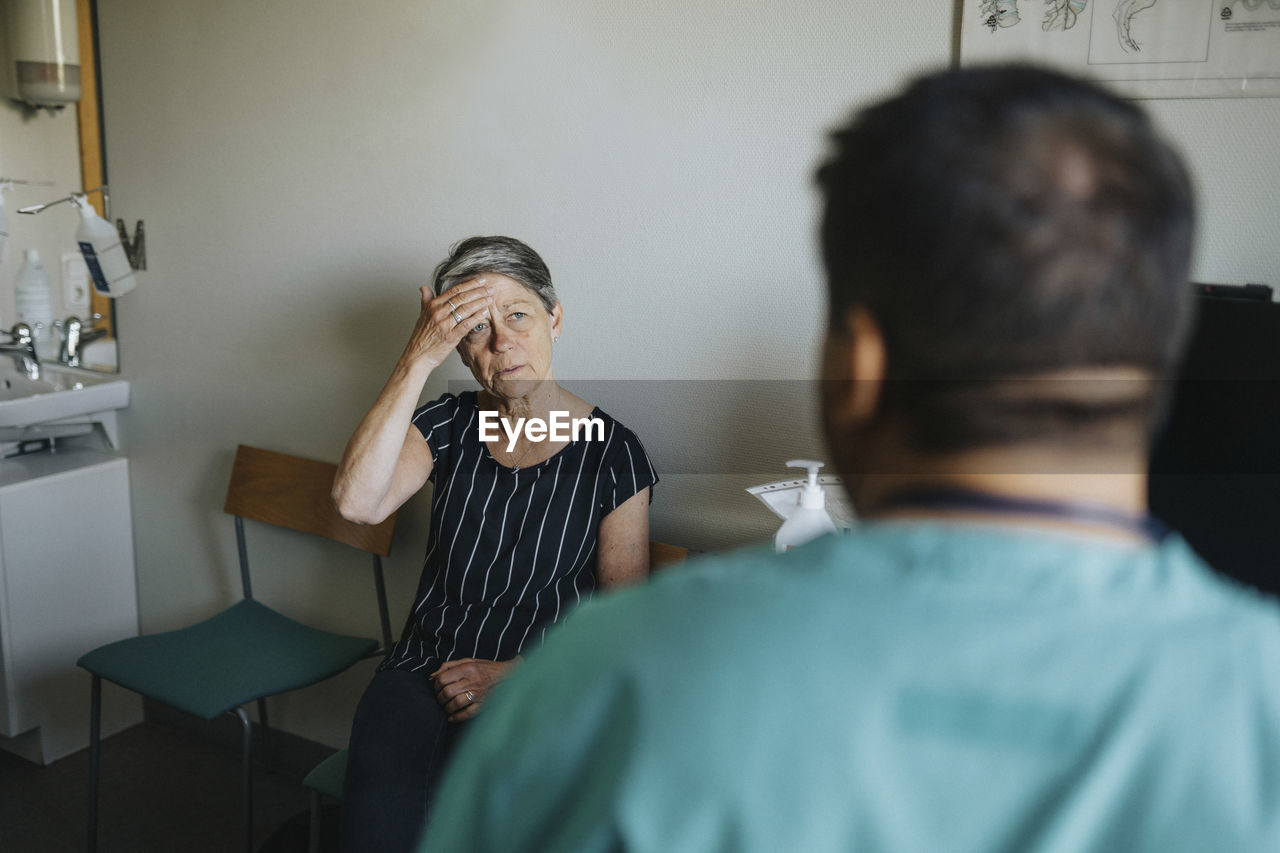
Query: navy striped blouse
point(509, 551)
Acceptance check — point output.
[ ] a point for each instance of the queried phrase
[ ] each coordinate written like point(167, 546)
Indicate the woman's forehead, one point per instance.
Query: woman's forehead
point(505, 290)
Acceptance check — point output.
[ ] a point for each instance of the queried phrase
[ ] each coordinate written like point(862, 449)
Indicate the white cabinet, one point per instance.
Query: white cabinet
point(66, 586)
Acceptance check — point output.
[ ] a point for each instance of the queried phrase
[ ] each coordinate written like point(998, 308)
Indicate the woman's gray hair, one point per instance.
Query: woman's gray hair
point(503, 255)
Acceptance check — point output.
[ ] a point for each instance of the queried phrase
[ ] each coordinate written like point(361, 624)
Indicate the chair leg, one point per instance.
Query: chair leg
point(95, 733)
point(267, 753)
point(313, 842)
point(247, 758)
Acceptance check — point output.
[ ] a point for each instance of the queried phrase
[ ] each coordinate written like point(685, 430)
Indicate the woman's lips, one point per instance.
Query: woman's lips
point(510, 370)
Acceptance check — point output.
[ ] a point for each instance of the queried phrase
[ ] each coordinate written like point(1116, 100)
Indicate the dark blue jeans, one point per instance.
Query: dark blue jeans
point(400, 741)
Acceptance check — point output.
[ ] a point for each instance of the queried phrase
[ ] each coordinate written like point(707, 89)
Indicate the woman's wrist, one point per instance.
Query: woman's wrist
point(412, 370)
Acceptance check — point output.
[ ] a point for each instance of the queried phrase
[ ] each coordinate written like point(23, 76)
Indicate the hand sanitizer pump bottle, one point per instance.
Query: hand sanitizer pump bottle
point(104, 255)
point(809, 520)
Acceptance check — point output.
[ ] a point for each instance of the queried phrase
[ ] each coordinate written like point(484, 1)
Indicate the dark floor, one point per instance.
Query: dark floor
point(163, 788)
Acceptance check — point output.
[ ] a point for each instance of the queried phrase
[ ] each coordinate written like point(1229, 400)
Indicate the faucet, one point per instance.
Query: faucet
point(22, 346)
point(75, 334)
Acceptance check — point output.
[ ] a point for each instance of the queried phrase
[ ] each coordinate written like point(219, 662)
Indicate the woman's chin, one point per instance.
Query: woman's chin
point(518, 385)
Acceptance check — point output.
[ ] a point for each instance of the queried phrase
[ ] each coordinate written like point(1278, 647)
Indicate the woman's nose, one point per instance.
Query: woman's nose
point(500, 340)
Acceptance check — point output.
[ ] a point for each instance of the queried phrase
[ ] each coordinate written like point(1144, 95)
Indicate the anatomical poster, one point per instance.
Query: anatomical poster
point(1143, 48)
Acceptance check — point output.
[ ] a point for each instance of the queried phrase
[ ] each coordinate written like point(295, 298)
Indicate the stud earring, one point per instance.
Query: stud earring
point(556, 339)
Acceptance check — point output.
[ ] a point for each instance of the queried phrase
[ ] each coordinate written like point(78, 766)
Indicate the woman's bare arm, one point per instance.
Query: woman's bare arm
point(623, 558)
point(386, 460)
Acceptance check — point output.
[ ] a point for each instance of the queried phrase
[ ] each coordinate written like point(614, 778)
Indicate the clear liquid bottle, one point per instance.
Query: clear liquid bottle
point(34, 301)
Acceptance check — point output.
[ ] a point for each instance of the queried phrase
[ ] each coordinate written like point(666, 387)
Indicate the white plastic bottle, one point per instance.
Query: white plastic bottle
point(103, 253)
point(809, 520)
point(34, 299)
point(4, 220)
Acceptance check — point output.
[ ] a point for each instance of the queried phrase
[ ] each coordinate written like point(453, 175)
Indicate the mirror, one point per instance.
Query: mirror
point(53, 152)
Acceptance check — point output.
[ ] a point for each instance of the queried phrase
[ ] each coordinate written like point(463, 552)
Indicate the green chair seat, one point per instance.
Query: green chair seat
point(327, 776)
point(217, 665)
point(248, 652)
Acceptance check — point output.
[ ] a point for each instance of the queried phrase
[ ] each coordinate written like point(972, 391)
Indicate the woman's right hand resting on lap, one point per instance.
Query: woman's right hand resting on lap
point(462, 685)
point(386, 460)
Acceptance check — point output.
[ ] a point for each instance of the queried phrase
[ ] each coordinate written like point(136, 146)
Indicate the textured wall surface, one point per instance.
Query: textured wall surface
point(1231, 145)
point(302, 167)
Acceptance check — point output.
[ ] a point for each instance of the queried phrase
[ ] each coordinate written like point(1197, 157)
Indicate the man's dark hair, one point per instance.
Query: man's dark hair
point(1000, 224)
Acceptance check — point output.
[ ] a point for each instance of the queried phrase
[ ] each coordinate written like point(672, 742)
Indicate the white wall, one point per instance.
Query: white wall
point(302, 166)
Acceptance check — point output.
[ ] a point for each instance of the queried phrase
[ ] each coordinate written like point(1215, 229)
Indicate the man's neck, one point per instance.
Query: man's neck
point(1113, 481)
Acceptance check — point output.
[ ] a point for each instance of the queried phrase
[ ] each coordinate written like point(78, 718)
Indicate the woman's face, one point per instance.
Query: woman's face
point(509, 353)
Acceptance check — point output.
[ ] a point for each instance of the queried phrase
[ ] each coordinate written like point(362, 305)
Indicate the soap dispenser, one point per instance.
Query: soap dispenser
point(809, 519)
point(103, 252)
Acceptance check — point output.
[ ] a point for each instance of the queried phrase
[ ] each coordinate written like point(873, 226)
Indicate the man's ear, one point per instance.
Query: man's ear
point(854, 368)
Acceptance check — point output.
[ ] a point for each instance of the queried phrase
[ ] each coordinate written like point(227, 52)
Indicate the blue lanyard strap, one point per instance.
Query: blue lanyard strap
point(952, 498)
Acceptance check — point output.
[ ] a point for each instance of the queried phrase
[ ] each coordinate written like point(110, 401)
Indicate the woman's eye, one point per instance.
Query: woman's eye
point(479, 327)
point(517, 315)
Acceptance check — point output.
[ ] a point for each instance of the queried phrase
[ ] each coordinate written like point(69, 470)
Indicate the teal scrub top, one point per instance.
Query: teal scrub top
point(908, 687)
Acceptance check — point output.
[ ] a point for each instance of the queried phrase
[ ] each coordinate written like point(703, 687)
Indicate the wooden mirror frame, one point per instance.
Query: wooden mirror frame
point(92, 170)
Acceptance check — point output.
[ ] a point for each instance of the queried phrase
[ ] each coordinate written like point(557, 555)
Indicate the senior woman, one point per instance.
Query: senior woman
point(522, 527)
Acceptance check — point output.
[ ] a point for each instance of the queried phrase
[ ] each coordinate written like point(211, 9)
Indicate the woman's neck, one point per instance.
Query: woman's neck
point(538, 403)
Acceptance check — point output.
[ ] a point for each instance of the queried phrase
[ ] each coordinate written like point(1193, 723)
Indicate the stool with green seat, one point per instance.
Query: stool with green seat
point(248, 651)
point(324, 780)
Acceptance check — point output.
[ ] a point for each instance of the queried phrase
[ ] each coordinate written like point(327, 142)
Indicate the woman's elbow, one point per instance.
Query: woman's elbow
point(354, 510)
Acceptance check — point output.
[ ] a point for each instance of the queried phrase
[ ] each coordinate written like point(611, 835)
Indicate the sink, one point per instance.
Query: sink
point(19, 385)
point(61, 395)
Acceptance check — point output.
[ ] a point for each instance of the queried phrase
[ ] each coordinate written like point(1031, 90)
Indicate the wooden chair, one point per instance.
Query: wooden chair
point(325, 779)
point(662, 556)
point(248, 651)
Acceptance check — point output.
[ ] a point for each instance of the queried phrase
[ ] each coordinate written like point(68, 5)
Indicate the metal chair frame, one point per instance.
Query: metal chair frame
point(246, 724)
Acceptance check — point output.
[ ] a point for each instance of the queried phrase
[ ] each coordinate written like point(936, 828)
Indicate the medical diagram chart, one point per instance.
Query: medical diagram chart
point(1143, 48)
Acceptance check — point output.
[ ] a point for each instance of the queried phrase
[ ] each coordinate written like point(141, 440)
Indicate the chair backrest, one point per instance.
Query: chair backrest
point(662, 555)
point(293, 492)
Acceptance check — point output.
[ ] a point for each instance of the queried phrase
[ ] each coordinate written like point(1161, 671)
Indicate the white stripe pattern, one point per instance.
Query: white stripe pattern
point(497, 574)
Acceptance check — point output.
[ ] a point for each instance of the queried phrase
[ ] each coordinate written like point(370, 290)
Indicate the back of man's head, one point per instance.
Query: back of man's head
point(1002, 225)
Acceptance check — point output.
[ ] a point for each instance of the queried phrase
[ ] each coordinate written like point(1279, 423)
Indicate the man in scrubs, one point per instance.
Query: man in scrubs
point(1008, 653)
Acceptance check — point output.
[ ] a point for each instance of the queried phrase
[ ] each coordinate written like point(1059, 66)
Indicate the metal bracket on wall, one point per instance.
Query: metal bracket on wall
point(135, 249)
